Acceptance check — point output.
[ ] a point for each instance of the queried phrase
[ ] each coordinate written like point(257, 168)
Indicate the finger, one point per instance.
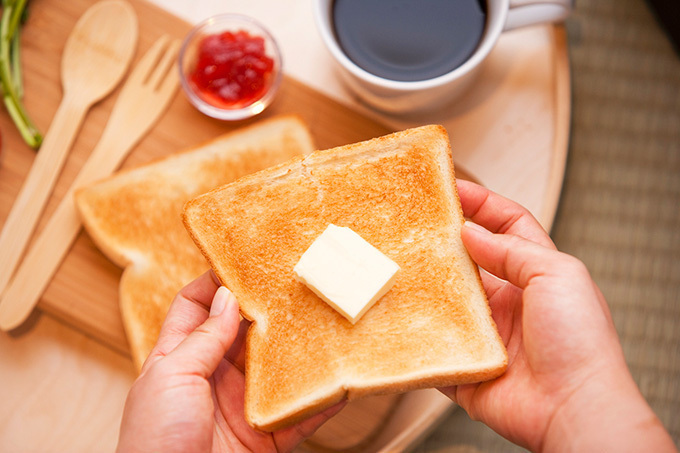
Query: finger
point(237, 352)
point(229, 397)
point(511, 257)
point(492, 284)
point(230, 400)
point(288, 438)
point(188, 310)
point(451, 392)
point(204, 348)
point(499, 214)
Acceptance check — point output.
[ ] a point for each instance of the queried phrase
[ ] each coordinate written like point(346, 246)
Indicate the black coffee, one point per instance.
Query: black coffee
point(409, 39)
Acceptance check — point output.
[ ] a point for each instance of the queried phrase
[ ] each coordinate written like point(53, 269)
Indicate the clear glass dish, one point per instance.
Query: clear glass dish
point(188, 62)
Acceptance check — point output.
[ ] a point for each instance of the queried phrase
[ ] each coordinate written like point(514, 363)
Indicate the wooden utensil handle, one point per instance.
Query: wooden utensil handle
point(49, 249)
point(38, 185)
point(39, 264)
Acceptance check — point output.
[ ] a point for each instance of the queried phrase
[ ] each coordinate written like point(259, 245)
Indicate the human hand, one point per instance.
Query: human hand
point(567, 386)
point(189, 394)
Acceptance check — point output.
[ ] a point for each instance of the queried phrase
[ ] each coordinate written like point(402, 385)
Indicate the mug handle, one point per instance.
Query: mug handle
point(529, 12)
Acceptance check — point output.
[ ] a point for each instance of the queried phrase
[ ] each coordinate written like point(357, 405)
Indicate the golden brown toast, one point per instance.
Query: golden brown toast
point(398, 192)
point(134, 217)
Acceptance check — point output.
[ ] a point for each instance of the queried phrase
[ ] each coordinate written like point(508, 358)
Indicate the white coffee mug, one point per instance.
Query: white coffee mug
point(393, 96)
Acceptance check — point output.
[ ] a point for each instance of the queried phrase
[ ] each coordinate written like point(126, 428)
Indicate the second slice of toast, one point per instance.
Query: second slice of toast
point(134, 216)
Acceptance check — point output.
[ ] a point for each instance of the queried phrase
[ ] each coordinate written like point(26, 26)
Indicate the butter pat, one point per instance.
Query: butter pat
point(346, 271)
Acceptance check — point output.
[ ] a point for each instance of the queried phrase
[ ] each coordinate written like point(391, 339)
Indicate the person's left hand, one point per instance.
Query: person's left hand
point(189, 395)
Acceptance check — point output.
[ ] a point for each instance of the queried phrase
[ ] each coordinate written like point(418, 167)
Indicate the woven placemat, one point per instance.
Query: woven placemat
point(620, 206)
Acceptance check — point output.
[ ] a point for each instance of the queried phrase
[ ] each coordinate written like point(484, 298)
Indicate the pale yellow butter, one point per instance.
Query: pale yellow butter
point(346, 271)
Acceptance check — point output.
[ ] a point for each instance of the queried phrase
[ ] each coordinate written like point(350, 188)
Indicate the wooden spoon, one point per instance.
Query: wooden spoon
point(96, 56)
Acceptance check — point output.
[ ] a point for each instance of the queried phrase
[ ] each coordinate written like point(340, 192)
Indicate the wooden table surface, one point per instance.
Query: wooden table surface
point(63, 391)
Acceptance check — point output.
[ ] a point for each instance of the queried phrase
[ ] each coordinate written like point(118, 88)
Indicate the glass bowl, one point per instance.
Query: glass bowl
point(230, 67)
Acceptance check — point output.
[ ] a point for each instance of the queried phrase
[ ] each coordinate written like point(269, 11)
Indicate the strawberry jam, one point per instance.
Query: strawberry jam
point(232, 69)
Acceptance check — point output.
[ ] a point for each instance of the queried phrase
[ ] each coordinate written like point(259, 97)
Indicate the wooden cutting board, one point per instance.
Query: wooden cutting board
point(84, 291)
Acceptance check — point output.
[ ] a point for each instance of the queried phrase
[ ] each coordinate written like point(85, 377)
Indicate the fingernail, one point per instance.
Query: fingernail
point(222, 296)
point(476, 227)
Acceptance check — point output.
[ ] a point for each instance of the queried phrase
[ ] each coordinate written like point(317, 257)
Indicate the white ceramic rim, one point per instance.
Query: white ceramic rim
point(493, 30)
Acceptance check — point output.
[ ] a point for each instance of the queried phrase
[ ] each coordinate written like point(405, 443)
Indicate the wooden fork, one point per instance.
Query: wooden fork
point(145, 95)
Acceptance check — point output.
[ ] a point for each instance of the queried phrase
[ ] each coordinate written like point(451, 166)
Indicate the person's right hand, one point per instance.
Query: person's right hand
point(567, 386)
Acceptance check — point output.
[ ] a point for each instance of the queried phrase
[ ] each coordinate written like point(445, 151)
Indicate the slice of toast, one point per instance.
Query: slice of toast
point(134, 216)
point(398, 192)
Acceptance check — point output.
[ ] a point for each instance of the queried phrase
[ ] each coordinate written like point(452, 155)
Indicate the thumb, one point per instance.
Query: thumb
point(203, 349)
point(512, 257)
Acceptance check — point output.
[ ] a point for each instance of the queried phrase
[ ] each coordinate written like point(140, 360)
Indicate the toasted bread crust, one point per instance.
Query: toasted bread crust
point(134, 216)
point(433, 328)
